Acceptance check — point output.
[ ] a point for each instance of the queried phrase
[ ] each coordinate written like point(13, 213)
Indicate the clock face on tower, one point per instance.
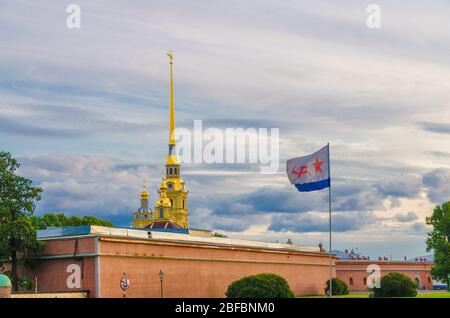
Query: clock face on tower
point(170, 185)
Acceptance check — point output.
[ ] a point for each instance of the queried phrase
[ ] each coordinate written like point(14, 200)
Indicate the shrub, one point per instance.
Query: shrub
point(338, 287)
point(396, 285)
point(26, 283)
point(260, 286)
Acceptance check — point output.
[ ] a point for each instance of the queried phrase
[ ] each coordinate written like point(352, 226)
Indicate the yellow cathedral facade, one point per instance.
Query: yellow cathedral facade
point(170, 208)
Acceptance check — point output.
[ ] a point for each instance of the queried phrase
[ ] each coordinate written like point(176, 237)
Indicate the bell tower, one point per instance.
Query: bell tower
point(170, 208)
point(175, 187)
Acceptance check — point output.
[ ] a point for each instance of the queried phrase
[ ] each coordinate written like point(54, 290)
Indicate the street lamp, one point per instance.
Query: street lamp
point(161, 275)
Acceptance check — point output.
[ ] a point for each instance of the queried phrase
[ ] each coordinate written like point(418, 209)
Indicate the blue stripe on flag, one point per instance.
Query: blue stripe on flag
point(313, 186)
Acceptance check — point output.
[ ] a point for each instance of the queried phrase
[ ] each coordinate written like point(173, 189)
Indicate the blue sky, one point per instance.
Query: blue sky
point(86, 110)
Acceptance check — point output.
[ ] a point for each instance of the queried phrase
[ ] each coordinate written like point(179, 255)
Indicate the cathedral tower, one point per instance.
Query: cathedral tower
point(170, 207)
point(176, 190)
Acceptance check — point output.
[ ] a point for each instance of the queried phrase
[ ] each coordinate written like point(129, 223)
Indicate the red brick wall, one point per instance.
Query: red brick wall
point(201, 271)
point(190, 270)
point(52, 273)
point(357, 271)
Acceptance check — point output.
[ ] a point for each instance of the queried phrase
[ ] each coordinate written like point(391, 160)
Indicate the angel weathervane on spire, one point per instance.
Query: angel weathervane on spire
point(170, 55)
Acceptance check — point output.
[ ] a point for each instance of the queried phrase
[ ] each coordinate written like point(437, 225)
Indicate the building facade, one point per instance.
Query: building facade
point(94, 259)
point(355, 273)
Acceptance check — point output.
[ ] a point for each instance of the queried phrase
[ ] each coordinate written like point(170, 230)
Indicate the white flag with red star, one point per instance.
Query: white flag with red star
point(310, 173)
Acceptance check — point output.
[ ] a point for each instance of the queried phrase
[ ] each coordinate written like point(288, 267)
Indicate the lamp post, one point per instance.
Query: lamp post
point(161, 275)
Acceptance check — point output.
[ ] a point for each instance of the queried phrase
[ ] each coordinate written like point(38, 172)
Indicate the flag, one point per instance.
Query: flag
point(310, 173)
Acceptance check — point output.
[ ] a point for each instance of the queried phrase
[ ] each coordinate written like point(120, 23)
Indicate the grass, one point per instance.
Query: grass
point(442, 294)
point(434, 295)
point(340, 296)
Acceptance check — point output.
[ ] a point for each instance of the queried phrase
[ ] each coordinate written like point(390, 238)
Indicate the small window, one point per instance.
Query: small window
point(161, 212)
point(365, 280)
point(351, 280)
point(170, 170)
point(429, 279)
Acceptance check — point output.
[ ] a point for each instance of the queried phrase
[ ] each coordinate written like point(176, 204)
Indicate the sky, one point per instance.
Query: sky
point(85, 111)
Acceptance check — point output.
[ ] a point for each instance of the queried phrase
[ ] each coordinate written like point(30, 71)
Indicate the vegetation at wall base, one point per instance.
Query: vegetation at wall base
point(263, 285)
point(396, 285)
point(338, 286)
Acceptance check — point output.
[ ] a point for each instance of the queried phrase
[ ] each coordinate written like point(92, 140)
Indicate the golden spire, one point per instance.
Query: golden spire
point(172, 106)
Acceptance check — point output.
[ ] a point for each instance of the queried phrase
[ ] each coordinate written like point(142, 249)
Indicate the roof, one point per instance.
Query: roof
point(165, 235)
point(163, 225)
point(340, 254)
point(380, 262)
point(343, 255)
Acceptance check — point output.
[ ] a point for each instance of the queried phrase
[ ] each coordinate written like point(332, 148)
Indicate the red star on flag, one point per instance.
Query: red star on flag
point(318, 165)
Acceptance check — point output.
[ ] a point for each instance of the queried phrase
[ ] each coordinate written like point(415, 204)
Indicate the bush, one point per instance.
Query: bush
point(26, 283)
point(260, 286)
point(338, 287)
point(396, 285)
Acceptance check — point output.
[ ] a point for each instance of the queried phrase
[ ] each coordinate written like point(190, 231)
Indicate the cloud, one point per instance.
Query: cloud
point(353, 195)
point(87, 185)
point(440, 128)
point(86, 109)
point(437, 182)
point(67, 121)
point(408, 217)
point(347, 196)
point(202, 218)
point(406, 186)
point(418, 227)
point(314, 222)
point(15, 127)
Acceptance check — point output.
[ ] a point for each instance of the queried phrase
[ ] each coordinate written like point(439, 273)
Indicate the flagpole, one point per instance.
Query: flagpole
point(330, 294)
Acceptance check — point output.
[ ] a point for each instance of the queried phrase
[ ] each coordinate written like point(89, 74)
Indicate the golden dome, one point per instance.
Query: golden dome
point(144, 194)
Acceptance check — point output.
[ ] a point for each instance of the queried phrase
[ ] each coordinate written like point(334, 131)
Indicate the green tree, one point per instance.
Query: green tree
point(215, 234)
point(438, 240)
point(52, 220)
point(396, 285)
point(264, 285)
point(339, 287)
point(18, 241)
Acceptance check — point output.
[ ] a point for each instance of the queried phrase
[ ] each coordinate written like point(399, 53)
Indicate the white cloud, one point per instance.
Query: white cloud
point(80, 107)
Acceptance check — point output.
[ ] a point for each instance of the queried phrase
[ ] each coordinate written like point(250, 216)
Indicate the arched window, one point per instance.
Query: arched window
point(170, 170)
point(171, 202)
point(418, 282)
point(429, 279)
point(351, 280)
point(161, 212)
point(365, 281)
